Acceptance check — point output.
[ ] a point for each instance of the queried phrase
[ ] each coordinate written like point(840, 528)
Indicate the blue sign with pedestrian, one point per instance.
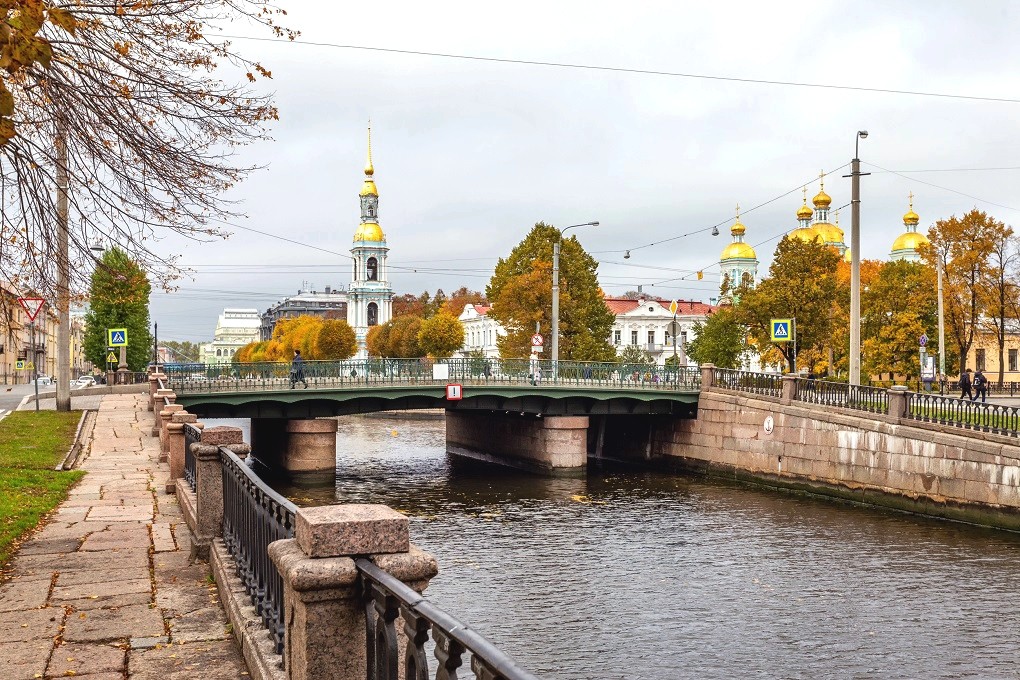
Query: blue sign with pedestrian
point(782, 330)
point(116, 337)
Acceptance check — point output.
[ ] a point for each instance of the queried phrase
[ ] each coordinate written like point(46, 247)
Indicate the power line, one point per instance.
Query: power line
point(936, 186)
point(635, 71)
point(1015, 167)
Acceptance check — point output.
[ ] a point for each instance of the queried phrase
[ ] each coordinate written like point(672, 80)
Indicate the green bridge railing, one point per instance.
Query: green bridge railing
point(323, 375)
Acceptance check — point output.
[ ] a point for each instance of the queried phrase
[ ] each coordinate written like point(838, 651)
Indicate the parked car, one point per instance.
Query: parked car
point(44, 380)
point(83, 381)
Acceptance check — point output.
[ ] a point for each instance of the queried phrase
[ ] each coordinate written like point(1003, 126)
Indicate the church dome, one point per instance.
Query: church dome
point(822, 199)
point(369, 231)
point(804, 213)
point(830, 233)
point(910, 240)
point(368, 188)
point(738, 251)
point(738, 228)
point(805, 234)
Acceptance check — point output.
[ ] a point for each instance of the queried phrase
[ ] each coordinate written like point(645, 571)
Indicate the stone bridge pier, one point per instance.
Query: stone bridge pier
point(556, 445)
point(296, 446)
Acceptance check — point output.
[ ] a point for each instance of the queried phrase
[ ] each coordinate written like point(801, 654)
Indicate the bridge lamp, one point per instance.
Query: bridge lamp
point(555, 356)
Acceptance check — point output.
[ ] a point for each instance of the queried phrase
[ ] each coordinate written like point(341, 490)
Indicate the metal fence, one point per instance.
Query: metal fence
point(247, 377)
point(964, 413)
point(253, 517)
point(770, 384)
point(386, 598)
point(192, 435)
point(858, 397)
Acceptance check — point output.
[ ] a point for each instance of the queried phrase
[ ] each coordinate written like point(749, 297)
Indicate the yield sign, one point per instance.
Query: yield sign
point(31, 306)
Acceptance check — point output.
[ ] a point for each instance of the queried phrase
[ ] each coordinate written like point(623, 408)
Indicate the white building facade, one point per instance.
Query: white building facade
point(480, 332)
point(235, 328)
point(370, 296)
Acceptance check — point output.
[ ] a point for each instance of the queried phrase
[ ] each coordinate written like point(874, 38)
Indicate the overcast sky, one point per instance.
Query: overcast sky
point(470, 154)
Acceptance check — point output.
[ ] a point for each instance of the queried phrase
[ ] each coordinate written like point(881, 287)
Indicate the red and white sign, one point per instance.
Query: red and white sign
point(32, 306)
point(454, 392)
point(537, 340)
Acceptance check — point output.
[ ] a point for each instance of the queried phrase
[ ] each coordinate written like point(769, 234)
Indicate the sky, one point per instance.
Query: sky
point(469, 154)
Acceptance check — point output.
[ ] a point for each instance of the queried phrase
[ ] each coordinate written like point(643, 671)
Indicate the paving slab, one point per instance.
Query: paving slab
point(32, 624)
point(216, 660)
point(21, 594)
point(87, 659)
point(114, 624)
point(22, 661)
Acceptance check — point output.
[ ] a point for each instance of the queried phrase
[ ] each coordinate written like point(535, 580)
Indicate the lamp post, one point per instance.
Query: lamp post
point(855, 261)
point(940, 265)
point(555, 356)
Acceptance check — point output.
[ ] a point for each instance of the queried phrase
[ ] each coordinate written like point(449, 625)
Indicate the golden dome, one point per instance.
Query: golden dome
point(909, 241)
point(368, 188)
point(738, 250)
point(369, 231)
point(830, 233)
point(911, 217)
point(738, 228)
point(821, 199)
point(804, 213)
point(805, 234)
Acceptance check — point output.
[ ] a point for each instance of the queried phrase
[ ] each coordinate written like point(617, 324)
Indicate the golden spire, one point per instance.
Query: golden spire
point(821, 199)
point(737, 229)
point(804, 213)
point(911, 218)
point(369, 170)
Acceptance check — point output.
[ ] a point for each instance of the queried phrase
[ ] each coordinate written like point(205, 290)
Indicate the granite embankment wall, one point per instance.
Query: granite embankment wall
point(869, 458)
point(549, 445)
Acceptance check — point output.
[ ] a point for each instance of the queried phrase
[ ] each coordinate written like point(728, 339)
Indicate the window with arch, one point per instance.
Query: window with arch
point(219, 352)
point(373, 314)
point(372, 269)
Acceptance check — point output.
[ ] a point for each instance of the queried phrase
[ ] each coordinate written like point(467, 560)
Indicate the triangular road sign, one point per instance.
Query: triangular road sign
point(111, 358)
point(32, 306)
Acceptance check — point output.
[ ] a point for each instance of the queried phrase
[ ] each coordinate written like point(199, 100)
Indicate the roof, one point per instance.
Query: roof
point(482, 309)
point(620, 306)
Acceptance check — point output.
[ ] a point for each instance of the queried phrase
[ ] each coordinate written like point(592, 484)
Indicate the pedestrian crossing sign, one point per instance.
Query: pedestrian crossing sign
point(782, 330)
point(116, 337)
point(20, 366)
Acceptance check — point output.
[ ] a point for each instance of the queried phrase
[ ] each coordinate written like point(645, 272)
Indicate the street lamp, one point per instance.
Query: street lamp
point(855, 261)
point(556, 292)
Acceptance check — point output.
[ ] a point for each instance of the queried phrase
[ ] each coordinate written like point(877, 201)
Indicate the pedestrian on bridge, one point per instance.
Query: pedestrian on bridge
point(536, 370)
point(980, 386)
point(965, 392)
point(297, 370)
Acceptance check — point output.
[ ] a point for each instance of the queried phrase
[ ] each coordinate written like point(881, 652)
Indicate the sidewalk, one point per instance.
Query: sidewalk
point(106, 588)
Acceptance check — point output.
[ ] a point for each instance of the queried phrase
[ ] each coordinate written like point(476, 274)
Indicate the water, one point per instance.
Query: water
point(633, 574)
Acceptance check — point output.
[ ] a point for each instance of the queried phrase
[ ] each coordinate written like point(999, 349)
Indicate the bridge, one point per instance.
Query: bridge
point(504, 409)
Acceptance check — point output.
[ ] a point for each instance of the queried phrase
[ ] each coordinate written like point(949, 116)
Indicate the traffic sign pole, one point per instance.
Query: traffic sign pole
point(35, 363)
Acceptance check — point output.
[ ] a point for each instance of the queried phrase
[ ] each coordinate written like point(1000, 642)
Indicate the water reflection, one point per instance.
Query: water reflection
point(633, 574)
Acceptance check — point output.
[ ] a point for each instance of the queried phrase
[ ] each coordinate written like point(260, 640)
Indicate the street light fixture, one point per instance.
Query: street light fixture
point(555, 356)
point(855, 260)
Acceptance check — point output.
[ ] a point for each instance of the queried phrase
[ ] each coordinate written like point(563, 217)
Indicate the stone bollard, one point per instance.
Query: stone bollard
point(154, 379)
point(323, 605)
point(707, 376)
point(175, 446)
point(158, 404)
point(164, 418)
point(789, 389)
point(898, 402)
point(209, 491)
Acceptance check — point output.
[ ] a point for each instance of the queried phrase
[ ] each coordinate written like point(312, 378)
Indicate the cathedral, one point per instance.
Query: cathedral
point(738, 259)
point(370, 296)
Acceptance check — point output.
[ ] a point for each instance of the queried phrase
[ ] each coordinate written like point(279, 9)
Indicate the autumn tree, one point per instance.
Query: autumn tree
point(962, 246)
point(1000, 292)
point(128, 92)
point(520, 292)
point(719, 340)
point(893, 348)
point(462, 297)
point(182, 350)
point(377, 338)
point(441, 335)
point(118, 298)
point(801, 284)
point(397, 338)
point(334, 340)
point(409, 304)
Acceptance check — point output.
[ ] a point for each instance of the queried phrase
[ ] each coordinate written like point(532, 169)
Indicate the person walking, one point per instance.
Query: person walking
point(965, 385)
point(535, 369)
point(297, 370)
point(980, 386)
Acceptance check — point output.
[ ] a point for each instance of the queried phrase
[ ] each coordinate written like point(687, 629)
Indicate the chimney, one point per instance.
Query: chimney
point(327, 290)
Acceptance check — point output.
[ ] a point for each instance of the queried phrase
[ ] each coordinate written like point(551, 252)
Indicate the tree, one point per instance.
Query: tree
point(127, 89)
point(1000, 294)
point(962, 245)
point(441, 336)
point(377, 338)
point(460, 298)
point(520, 291)
point(335, 340)
point(182, 351)
point(801, 284)
point(894, 347)
point(719, 340)
point(632, 358)
point(410, 305)
point(118, 298)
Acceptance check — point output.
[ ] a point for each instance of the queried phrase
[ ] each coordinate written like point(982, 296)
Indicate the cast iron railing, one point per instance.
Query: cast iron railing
point(192, 435)
point(253, 517)
point(858, 397)
point(770, 384)
point(969, 415)
point(385, 598)
point(261, 376)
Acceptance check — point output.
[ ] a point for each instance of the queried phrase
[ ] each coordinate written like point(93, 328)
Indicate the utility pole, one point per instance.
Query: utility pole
point(855, 262)
point(940, 264)
point(556, 295)
point(63, 372)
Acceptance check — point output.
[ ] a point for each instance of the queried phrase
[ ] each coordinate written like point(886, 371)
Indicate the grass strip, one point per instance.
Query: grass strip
point(31, 444)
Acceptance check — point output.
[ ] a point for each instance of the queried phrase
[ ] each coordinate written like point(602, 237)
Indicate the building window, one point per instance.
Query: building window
point(1012, 359)
point(371, 267)
point(651, 337)
point(979, 359)
point(683, 338)
point(218, 353)
point(633, 337)
point(373, 314)
point(616, 337)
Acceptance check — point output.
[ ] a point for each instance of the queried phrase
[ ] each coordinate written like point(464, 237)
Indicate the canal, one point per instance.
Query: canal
point(636, 574)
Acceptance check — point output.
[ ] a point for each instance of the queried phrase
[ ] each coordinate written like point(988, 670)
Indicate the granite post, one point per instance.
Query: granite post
point(160, 400)
point(789, 392)
point(707, 376)
point(897, 401)
point(324, 608)
point(175, 445)
point(209, 490)
point(164, 418)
